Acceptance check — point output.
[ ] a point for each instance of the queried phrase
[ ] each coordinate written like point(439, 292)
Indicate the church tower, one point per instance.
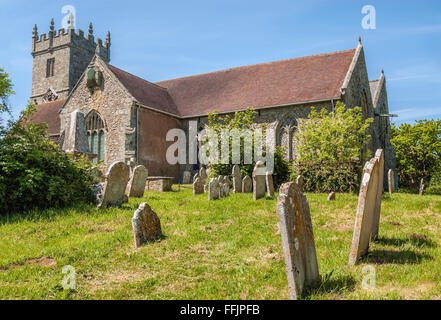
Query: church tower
point(60, 58)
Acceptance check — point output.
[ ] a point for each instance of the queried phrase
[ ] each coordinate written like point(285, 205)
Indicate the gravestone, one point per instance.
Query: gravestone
point(196, 176)
point(146, 225)
point(269, 184)
point(379, 155)
point(75, 135)
point(237, 181)
point(227, 180)
point(364, 220)
point(247, 185)
point(421, 192)
point(297, 239)
point(137, 181)
point(213, 189)
point(186, 177)
point(331, 196)
point(390, 181)
point(203, 175)
point(299, 182)
point(115, 185)
point(259, 180)
point(198, 186)
point(226, 189)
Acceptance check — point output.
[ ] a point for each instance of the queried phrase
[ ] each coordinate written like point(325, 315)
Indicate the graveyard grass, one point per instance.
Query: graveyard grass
point(224, 249)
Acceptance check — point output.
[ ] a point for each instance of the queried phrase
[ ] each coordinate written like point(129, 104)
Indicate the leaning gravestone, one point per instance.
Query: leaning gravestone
point(198, 186)
point(247, 185)
point(259, 180)
point(137, 181)
point(390, 181)
point(146, 225)
point(186, 177)
point(364, 220)
point(331, 196)
point(269, 184)
point(379, 155)
point(299, 182)
point(116, 182)
point(297, 239)
point(237, 181)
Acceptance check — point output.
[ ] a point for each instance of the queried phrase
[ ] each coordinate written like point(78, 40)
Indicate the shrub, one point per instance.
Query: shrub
point(435, 190)
point(35, 173)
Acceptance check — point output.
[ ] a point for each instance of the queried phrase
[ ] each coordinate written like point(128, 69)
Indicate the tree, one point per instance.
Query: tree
point(418, 151)
point(5, 92)
point(330, 148)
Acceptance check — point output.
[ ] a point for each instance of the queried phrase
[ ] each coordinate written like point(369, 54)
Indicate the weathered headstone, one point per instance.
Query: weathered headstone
point(379, 155)
point(146, 225)
point(259, 180)
point(364, 220)
point(269, 184)
point(75, 135)
point(331, 196)
point(226, 189)
point(247, 185)
point(421, 192)
point(213, 189)
point(297, 239)
point(137, 181)
point(186, 177)
point(115, 185)
point(198, 186)
point(299, 182)
point(203, 174)
point(196, 176)
point(237, 181)
point(390, 181)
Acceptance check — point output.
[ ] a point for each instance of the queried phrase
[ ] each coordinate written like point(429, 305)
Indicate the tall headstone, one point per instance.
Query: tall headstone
point(186, 177)
point(115, 185)
point(237, 181)
point(299, 182)
point(364, 220)
point(390, 181)
point(297, 239)
point(247, 185)
point(259, 180)
point(137, 181)
point(379, 155)
point(269, 184)
point(213, 189)
point(198, 186)
point(203, 175)
point(75, 135)
point(146, 225)
point(421, 192)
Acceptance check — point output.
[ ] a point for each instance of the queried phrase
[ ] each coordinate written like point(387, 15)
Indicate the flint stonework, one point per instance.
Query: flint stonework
point(259, 181)
point(137, 181)
point(146, 225)
point(297, 239)
point(115, 185)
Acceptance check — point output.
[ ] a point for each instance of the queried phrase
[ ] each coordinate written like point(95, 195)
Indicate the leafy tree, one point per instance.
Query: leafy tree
point(5, 89)
point(329, 147)
point(418, 151)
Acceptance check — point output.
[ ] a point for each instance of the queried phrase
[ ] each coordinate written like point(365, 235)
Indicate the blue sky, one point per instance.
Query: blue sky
point(159, 40)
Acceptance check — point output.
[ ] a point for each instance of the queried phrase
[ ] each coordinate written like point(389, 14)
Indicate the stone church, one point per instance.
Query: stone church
point(127, 118)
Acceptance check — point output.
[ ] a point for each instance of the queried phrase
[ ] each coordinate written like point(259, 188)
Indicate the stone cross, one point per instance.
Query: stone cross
point(269, 184)
point(367, 215)
point(259, 180)
point(146, 225)
point(115, 185)
point(297, 239)
point(137, 181)
point(198, 186)
point(186, 177)
point(331, 196)
point(237, 181)
point(390, 181)
point(247, 185)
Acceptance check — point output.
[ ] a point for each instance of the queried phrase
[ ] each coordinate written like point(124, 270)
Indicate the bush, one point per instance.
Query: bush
point(35, 173)
point(434, 190)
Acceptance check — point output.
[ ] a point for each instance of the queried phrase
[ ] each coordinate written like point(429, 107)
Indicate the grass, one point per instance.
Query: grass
point(223, 249)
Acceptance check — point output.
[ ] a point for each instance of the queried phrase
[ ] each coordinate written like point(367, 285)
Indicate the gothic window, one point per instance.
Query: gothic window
point(95, 135)
point(285, 131)
point(50, 66)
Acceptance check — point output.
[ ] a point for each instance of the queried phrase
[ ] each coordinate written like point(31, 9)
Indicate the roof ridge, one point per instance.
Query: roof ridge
point(153, 83)
point(256, 64)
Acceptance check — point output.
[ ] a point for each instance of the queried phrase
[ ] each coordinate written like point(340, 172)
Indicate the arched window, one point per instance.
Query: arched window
point(95, 134)
point(285, 130)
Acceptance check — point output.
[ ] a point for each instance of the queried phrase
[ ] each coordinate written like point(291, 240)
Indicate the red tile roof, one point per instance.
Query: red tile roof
point(48, 113)
point(311, 78)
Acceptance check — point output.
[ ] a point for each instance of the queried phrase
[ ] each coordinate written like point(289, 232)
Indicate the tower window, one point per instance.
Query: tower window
point(50, 65)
